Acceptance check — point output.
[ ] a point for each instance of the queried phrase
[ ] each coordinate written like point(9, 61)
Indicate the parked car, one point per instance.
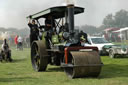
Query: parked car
point(99, 42)
point(118, 51)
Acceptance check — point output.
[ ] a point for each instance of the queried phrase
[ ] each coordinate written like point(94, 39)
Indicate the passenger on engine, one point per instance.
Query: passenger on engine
point(34, 31)
point(83, 37)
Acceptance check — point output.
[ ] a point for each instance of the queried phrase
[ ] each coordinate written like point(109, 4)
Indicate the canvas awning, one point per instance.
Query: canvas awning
point(56, 12)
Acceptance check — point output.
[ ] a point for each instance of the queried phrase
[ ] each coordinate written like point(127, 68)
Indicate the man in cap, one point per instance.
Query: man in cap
point(34, 31)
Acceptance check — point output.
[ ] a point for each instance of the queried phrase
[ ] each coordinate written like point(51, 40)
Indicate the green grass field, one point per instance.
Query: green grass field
point(20, 72)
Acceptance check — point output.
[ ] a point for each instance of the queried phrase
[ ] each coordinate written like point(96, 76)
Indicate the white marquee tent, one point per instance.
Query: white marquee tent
point(121, 29)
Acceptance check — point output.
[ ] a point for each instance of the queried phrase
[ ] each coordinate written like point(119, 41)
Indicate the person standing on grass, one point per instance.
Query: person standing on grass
point(5, 50)
point(16, 42)
point(20, 42)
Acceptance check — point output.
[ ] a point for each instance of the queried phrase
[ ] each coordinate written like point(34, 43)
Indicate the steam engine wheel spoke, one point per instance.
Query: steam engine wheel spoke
point(39, 63)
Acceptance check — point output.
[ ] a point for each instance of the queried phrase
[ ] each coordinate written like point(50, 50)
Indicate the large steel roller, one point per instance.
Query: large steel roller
point(84, 64)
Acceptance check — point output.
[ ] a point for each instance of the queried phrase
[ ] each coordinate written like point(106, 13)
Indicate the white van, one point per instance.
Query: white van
point(98, 42)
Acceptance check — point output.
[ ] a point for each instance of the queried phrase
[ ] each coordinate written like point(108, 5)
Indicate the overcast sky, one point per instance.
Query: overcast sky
point(13, 12)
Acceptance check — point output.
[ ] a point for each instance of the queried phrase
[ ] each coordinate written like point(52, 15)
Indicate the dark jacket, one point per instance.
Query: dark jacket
point(33, 29)
point(50, 22)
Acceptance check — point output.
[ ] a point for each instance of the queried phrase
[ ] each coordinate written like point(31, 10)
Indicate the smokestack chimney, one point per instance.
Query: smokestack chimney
point(67, 2)
point(71, 17)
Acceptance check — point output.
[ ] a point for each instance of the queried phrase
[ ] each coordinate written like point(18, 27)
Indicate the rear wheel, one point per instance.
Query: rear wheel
point(39, 57)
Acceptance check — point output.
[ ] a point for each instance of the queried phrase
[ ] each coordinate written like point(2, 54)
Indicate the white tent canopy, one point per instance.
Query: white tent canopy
point(122, 29)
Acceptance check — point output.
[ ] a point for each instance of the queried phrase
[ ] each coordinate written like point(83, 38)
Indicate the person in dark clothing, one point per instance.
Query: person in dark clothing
point(5, 51)
point(49, 23)
point(34, 31)
point(49, 28)
point(83, 37)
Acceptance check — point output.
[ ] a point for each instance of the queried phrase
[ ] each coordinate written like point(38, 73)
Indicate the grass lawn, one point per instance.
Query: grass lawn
point(20, 72)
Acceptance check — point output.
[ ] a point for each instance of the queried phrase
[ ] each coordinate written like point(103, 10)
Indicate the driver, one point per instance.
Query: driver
point(49, 23)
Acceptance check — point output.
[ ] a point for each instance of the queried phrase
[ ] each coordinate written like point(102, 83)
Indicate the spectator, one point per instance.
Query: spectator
point(20, 42)
point(5, 50)
point(16, 42)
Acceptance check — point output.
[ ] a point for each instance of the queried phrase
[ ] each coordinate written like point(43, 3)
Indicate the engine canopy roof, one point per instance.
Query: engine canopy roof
point(56, 12)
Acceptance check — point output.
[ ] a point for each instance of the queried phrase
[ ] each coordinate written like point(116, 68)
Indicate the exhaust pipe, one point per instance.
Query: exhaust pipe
point(71, 18)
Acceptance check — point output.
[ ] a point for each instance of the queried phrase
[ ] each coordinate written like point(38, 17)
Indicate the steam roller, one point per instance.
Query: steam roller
point(64, 45)
point(85, 63)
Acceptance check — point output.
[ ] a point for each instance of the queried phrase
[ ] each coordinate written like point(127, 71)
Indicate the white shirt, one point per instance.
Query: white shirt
point(20, 39)
point(2, 47)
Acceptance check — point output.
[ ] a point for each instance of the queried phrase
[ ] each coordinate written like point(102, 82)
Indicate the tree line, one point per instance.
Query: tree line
point(119, 20)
